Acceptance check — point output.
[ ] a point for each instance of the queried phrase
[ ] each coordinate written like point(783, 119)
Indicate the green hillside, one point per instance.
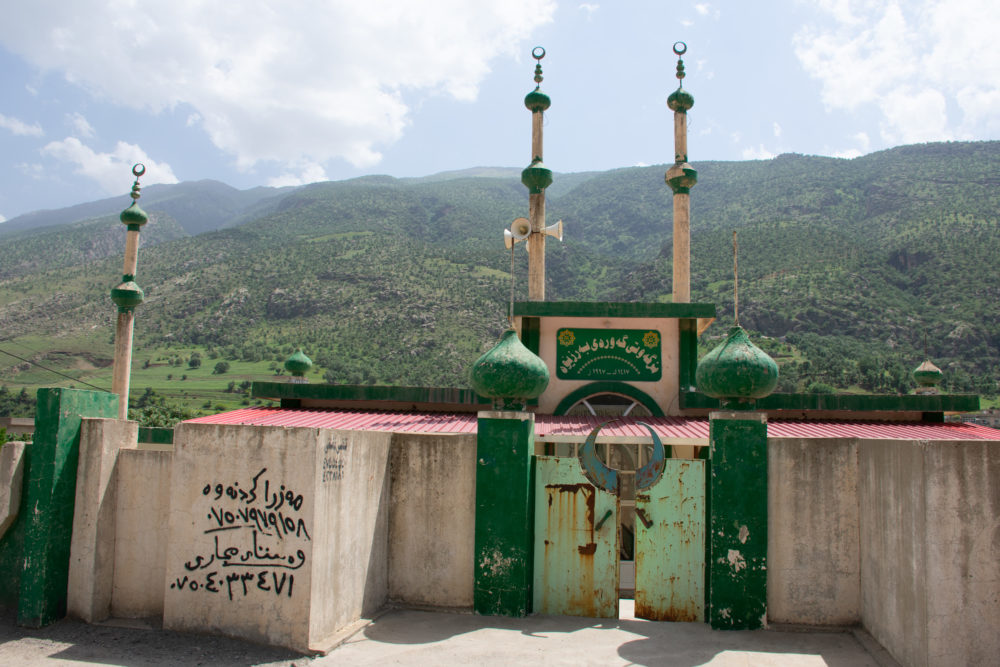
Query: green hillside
point(849, 271)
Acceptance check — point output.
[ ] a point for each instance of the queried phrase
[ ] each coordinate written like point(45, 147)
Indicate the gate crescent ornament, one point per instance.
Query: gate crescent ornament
point(603, 477)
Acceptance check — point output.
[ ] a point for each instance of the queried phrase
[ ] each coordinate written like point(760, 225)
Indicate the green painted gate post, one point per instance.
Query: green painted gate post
point(736, 591)
point(49, 496)
point(504, 514)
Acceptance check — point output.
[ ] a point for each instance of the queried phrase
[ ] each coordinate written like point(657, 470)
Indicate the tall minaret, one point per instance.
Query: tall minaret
point(681, 178)
point(536, 178)
point(127, 296)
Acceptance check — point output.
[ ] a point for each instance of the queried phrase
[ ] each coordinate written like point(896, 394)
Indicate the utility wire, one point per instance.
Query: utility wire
point(52, 370)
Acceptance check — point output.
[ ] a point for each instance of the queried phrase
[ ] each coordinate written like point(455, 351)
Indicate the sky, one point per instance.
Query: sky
point(287, 92)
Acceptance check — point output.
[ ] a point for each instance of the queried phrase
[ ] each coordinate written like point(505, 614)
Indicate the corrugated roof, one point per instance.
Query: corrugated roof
point(553, 428)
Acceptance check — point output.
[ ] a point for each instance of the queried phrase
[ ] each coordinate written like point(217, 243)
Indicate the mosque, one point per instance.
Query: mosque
point(594, 458)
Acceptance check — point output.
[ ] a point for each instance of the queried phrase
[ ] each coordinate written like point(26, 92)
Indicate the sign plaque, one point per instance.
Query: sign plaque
point(609, 354)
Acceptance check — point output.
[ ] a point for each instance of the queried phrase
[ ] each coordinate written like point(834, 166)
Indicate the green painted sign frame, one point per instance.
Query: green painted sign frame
point(633, 355)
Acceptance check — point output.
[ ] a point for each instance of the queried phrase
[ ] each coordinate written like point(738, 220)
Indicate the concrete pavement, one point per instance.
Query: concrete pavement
point(409, 637)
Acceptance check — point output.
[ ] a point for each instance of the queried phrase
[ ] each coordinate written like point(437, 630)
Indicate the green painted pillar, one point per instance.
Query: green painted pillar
point(736, 591)
point(504, 514)
point(49, 495)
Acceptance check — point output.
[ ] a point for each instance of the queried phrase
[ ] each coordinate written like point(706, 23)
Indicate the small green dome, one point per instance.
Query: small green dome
point(509, 373)
point(298, 364)
point(536, 177)
point(134, 215)
point(127, 296)
point(681, 178)
point(927, 374)
point(680, 100)
point(536, 100)
point(737, 370)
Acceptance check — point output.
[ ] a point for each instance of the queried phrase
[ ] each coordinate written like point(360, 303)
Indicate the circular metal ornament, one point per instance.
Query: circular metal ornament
point(538, 53)
point(139, 169)
point(680, 50)
point(603, 477)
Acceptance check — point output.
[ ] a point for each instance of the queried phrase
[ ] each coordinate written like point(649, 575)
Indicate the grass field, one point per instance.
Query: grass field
point(86, 363)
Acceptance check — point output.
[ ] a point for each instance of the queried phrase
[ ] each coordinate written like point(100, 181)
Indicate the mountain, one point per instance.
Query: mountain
point(197, 206)
point(850, 270)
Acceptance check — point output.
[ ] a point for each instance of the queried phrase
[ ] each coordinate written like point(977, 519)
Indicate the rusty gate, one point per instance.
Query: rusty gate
point(577, 507)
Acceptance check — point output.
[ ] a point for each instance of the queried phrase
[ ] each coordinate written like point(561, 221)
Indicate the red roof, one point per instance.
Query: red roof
point(549, 427)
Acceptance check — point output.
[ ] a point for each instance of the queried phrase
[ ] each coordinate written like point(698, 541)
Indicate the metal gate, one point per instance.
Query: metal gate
point(576, 536)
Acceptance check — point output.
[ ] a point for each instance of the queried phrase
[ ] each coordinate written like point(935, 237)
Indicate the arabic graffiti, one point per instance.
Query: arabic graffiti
point(256, 540)
point(333, 459)
point(621, 354)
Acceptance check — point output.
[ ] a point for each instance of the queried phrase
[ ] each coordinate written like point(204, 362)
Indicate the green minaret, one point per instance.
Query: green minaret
point(127, 295)
point(681, 177)
point(536, 177)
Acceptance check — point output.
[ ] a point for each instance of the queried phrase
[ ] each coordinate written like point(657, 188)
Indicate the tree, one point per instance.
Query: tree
point(220, 368)
point(195, 360)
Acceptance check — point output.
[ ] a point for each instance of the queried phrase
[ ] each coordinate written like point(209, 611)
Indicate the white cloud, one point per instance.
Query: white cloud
point(303, 80)
point(758, 153)
point(931, 68)
point(31, 170)
point(589, 8)
point(80, 125)
point(3, 218)
point(19, 127)
point(687, 23)
point(112, 171)
point(309, 172)
point(776, 129)
point(705, 9)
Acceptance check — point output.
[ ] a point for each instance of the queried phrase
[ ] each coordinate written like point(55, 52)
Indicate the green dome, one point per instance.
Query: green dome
point(680, 100)
point(536, 177)
point(509, 373)
point(127, 296)
point(536, 100)
point(298, 364)
point(737, 370)
point(681, 178)
point(927, 374)
point(134, 215)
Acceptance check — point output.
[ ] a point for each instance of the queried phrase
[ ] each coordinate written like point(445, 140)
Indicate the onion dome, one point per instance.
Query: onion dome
point(537, 101)
point(127, 295)
point(536, 176)
point(298, 364)
point(737, 370)
point(510, 373)
point(927, 376)
point(680, 100)
point(134, 216)
point(681, 177)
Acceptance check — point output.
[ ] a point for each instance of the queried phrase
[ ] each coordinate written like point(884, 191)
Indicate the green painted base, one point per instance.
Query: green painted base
point(504, 514)
point(50, 493)
point(736, 591)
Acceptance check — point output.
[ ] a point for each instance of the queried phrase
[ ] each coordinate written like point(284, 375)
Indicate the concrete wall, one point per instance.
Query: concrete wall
point(11, 480)
point(813, 540)
point(140, 549)
point(276, 535)
point(350, 540)
point(930, 544)
point(901, 536)
point(92, 549)
point(432, 520)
